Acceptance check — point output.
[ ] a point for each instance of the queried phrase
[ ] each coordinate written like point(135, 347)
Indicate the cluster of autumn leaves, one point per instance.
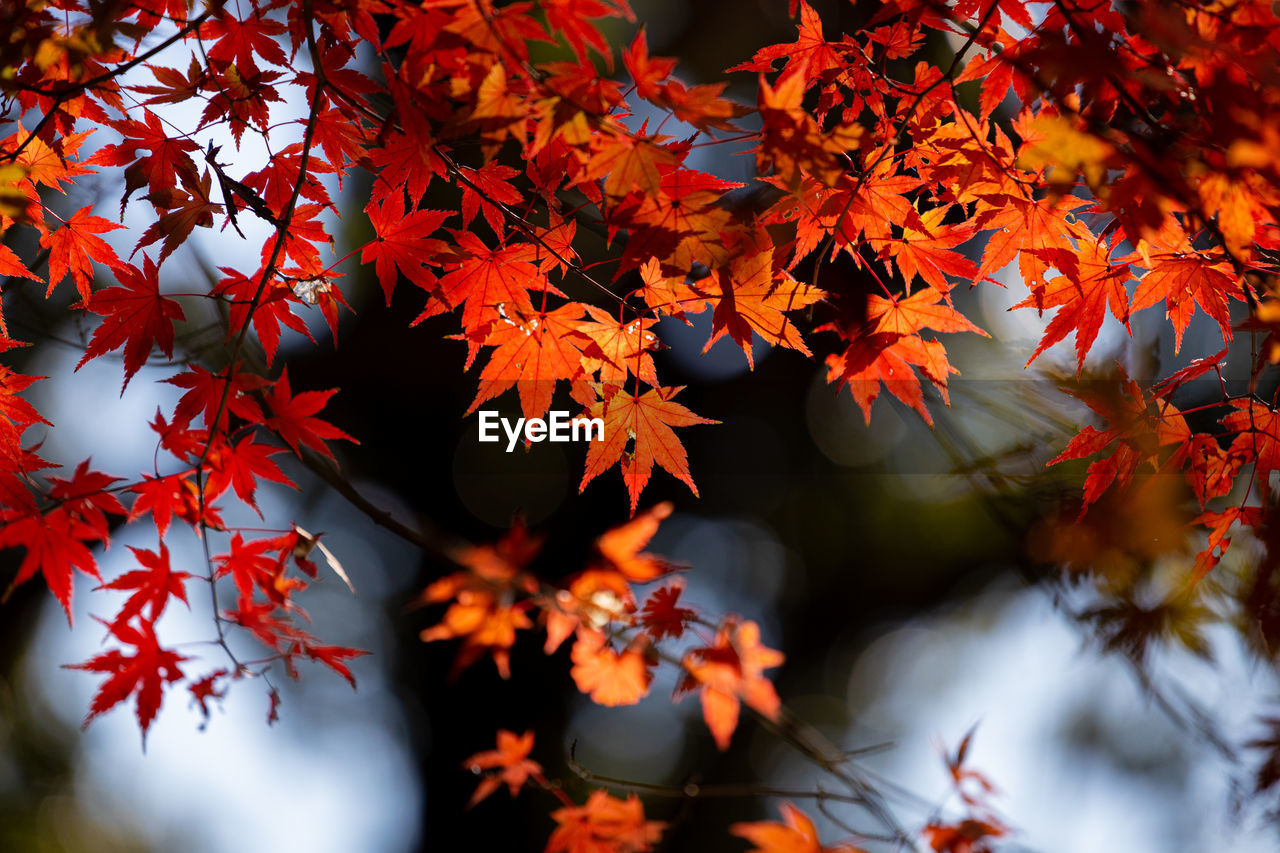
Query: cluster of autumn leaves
point(1168, 118)
point(492, 598)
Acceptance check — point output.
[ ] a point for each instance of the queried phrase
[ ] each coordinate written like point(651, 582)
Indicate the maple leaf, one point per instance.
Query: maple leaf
point(54, 543)
point(887, 346)
point(751, 299)
point(729, 672)
point(967, 836)
point(16, 416)
point(532, 352)
point(623, 348)
point(927, 252)
point(333, 657)
point(996, 74)
point(681, 225)
point(146, 672)
point(484, 189)
point(137, 318)
point(629, 162)
point(185, 209)
point(292, 417)
point(810, 50)
point(669, 294)
point(646, 71)
point(1036, 233)
point(796, 834)
point(205, 394)
point(46, 164)
point(867, 207)
point(1134, 434)
point(400, 243)
point(73, 248)
point(238, 41)
point(511, 759)
point(610, 678)
point(1258, 438)
point(1220, 524)
point(604, 825)
point(205, 689)
point(661, 615)
point(12, 265)
point(620, 545)
point(175, 87)
point(912, 314)
point(241, 466)
point(276, 181)
point(480, 609)
point(1082, 300)
point(250, 567)
point(645, 421)
point(1183, 283)
point(272, 310)
point(165, 497)
point(569, 19)
point(161, 170)
point(488, 282)
point(791, 142)
point(152, 586)
point(594, 598)
point(87, 497)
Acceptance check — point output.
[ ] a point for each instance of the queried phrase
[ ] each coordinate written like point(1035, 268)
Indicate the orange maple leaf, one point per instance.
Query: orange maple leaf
point(887, 346)
point(610, 678)
point(796, 834)
point(511, 759)
point(729, 672)
point(623, 348)
point(1184, 282)
point(1082, 299)
point(534, 350)
point(480, 610)
point(604, 825)
point(750, 296)
point(645, 421)
point(629, 162)
point(619, 546)
point(73, 248)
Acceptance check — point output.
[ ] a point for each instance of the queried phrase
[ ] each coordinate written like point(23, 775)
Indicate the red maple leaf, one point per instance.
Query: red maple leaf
point(401, 243)
point(161, 169)
point(152, 586)
point(137, 318)
point(241, 466)
point(1082, 299)
point(292, 417)
point(54, 543)
point(146, 672)
point(661, 615)
point(1183, 283)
